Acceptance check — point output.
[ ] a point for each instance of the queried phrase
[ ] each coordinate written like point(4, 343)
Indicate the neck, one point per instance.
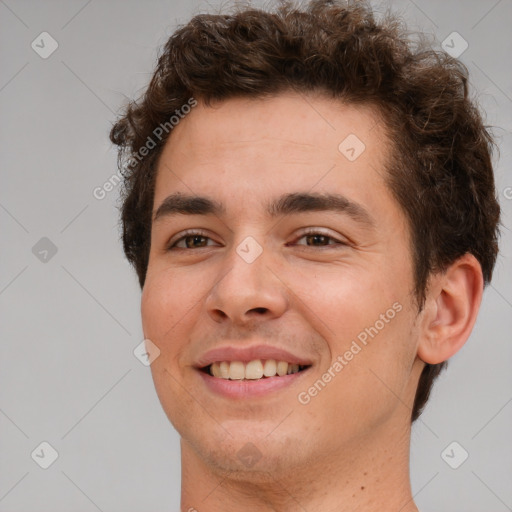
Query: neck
point(371, 475)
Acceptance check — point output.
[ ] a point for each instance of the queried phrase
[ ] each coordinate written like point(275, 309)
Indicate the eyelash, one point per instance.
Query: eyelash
point(307, 232)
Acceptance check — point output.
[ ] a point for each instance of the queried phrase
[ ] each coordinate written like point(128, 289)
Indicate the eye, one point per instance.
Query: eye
point(190, 240)
point(316, 238)
point(199, 240)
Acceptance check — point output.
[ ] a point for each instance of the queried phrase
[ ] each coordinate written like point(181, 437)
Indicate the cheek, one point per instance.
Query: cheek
point(168, 315)
point(366, 320)
point(167, 300)
point(341, 302)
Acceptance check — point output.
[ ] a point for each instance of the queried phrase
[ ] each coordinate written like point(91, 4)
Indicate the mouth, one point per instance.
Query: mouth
point(254, 370)
point(255, 379)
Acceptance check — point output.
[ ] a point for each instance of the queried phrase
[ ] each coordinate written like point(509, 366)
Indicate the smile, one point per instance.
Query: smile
point(254, 379)
point(252, 370)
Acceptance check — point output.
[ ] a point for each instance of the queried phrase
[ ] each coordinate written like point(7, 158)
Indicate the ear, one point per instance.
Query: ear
point(451, 307)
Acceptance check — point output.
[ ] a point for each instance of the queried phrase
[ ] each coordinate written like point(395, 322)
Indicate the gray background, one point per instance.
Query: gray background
point(70, 324)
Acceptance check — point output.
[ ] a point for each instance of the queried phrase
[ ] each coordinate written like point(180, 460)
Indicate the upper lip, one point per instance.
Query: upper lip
point(246, 354)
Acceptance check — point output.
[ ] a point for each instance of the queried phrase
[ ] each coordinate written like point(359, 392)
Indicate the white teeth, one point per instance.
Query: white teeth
point(270, 368)
point(282, 368)
point(215, 370)
point(253, 370)
point(236, 370)
point(224, 370)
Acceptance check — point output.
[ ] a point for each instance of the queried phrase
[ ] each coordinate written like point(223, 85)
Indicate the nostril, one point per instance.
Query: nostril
point(260, 310)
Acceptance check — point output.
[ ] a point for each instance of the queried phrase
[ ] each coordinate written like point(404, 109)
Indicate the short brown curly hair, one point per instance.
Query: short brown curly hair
point(441, 172)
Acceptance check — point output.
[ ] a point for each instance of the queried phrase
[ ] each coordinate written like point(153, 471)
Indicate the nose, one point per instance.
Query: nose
point(247, 292)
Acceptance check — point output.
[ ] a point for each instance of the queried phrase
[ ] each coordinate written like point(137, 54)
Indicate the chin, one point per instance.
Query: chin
point(251, 453)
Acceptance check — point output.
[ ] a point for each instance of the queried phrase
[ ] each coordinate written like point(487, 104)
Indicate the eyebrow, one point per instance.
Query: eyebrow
point(286, 204)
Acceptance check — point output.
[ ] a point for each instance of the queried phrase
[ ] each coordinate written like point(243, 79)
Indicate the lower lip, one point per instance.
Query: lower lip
point(249, 388)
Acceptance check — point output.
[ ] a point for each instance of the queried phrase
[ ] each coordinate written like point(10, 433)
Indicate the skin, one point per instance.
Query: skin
point(348, 448)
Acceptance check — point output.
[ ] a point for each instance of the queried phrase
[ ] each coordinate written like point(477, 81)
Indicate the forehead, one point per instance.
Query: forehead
point(304, 123)
point(269, 146)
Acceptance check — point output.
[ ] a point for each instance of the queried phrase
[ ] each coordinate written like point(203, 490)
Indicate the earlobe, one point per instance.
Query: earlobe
point(453, 301)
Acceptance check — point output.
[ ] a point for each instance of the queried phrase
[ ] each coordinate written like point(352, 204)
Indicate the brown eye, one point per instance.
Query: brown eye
point(191, 240)
point(318, 239)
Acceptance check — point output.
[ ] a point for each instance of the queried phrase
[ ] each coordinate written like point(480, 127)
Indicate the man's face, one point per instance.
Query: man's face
point(323, 283)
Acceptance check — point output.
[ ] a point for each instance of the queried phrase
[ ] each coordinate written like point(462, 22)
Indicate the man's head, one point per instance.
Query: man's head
point(316, 121)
